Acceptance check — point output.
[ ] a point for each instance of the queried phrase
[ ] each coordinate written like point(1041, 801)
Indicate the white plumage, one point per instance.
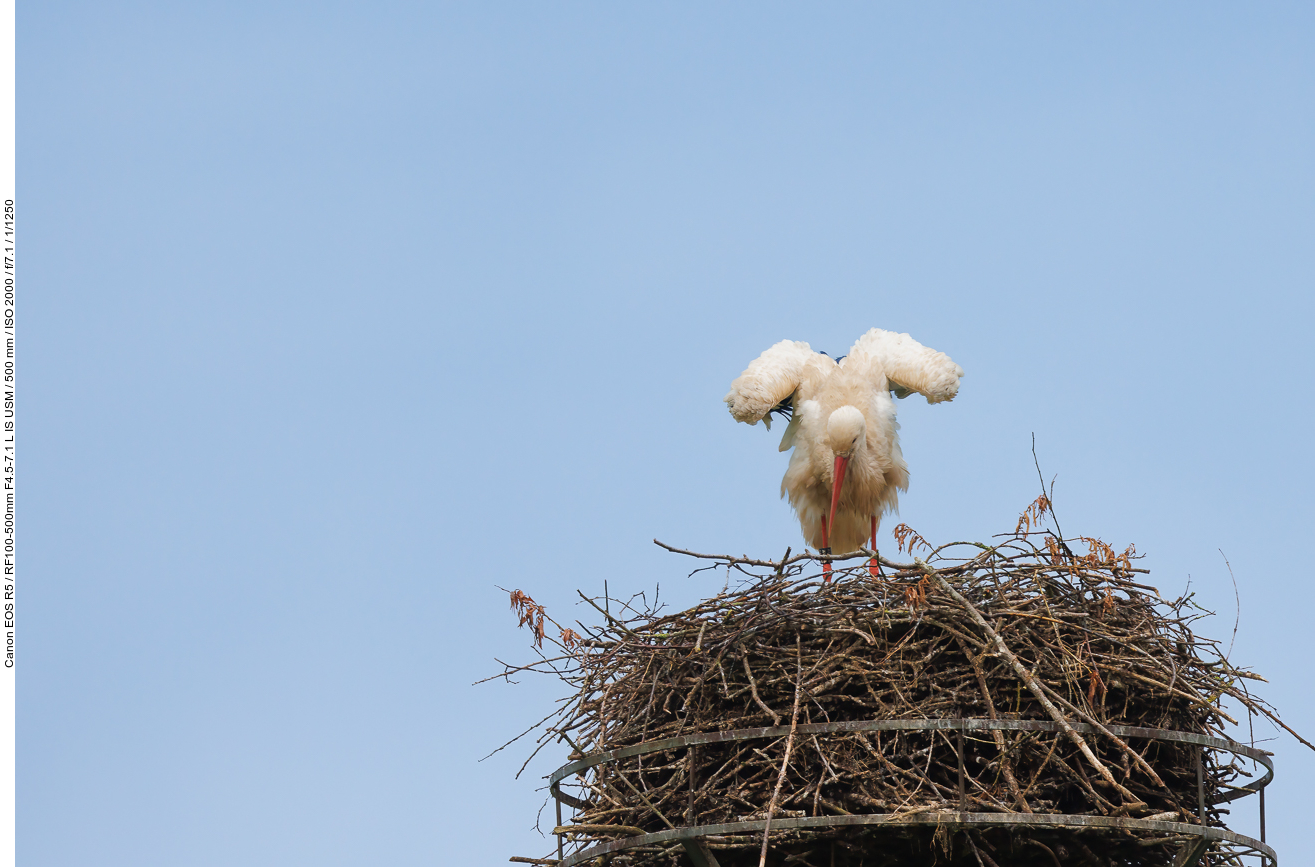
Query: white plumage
point(842, 426)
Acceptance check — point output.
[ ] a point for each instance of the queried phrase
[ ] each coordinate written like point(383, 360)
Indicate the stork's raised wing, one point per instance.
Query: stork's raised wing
point(906, 365)
point(770, 379)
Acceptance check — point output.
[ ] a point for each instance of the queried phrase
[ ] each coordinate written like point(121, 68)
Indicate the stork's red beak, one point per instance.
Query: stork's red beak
point(842, 463)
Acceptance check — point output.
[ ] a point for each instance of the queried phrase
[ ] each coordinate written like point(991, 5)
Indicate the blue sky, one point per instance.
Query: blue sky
point(335, 316)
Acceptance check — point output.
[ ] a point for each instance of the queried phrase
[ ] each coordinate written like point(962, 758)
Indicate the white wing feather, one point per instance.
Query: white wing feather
point(770, 379)
point(906, 365)
point(791, 431)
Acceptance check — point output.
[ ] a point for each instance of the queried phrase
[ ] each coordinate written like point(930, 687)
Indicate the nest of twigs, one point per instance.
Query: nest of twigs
point(1027, 629)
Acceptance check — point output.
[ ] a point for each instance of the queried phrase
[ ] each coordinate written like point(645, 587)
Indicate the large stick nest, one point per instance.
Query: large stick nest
point(1016, 631)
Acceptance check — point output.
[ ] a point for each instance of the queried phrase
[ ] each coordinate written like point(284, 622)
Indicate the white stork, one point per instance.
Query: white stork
point(847, 469)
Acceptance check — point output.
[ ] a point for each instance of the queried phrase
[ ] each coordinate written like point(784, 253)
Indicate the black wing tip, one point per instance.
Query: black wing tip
point(785, 409)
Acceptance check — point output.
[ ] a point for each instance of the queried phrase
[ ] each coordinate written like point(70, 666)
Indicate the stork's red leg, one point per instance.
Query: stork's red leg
point(826, 549)
point(874, 566)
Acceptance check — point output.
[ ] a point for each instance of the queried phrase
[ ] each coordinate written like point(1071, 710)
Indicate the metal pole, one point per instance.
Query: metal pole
point(693, 769)
point(559, 822)
point(1262, 815)
point(1200, 784)
point(963, 789)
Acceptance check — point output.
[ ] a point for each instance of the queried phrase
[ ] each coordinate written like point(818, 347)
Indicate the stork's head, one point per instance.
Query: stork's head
point(846, 431)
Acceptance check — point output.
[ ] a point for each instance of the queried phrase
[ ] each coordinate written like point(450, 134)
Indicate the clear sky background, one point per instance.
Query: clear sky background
point(335, 316)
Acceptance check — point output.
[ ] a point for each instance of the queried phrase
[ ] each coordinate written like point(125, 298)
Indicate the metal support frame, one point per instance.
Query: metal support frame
point(559, 824)
point(699, 853)
point(1262, 815)
point(963, 787)
point(691, 837)
point(1189, 855)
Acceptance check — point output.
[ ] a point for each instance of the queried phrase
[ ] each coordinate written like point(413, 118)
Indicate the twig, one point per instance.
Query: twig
point(1050, 495)
point(1237, 598)
point(753, 688)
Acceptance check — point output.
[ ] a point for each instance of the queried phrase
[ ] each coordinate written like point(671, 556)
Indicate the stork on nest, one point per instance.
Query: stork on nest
point(847, 470)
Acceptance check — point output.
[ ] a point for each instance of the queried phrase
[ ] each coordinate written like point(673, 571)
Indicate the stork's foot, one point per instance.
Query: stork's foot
point(826, 549)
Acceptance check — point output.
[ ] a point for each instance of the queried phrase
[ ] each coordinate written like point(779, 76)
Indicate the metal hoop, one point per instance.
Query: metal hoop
point(951, 818)
point(948, 819)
